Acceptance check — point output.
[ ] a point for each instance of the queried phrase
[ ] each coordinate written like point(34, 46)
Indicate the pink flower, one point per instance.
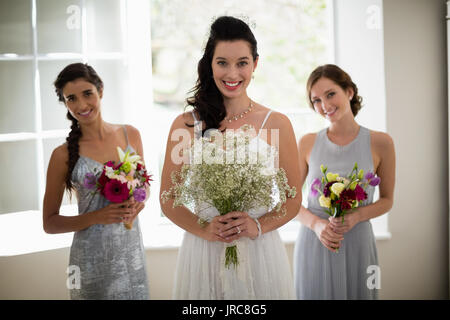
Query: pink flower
point(315, 184)
point(375, 181)
point(139, 195)
point(89, 180)
point(115, 191)
point(369, 176)
point(102, 182)
point(372, 179)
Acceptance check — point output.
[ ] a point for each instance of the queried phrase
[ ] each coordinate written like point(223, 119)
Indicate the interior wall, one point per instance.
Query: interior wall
point(414, 263)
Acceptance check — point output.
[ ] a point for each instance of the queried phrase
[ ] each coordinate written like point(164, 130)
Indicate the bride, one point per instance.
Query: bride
point(220, 101)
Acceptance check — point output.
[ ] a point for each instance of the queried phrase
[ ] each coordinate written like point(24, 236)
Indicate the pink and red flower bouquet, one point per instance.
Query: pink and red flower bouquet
point(119, 182)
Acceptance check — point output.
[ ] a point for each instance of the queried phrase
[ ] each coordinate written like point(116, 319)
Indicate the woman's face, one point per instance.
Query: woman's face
point(330, 100)
point(232, 67)
point(82, 99)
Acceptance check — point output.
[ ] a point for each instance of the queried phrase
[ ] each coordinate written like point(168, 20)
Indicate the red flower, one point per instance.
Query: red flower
point(146, 178)
point(360, 193)
point(110, 164)
point(102, 182)
point(348, 194)
point(346, 199)
point(116, 191)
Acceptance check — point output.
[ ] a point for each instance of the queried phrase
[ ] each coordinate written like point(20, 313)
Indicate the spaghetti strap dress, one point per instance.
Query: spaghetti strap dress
point(263, 272)
point(322, 274)
point(109, 257)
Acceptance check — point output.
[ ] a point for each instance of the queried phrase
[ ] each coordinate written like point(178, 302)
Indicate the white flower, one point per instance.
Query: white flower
point(109, 172)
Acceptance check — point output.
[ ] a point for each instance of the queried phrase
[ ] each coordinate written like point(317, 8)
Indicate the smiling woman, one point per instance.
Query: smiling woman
point(322, 272)
point(220, 94)
point(100, 235)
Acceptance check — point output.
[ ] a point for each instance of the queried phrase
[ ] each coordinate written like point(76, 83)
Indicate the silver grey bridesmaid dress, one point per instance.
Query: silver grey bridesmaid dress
point(110, 258)
point(318, 272)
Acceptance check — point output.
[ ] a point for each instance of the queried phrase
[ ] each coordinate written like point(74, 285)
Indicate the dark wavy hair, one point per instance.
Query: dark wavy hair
point(341, 78)
point(207, 99)
point(70, 73)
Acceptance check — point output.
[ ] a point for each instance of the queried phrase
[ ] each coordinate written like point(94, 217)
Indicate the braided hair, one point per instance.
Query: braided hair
point(70, 73)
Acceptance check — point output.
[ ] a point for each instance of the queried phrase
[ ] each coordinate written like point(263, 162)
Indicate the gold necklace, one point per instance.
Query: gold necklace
point(241, 114)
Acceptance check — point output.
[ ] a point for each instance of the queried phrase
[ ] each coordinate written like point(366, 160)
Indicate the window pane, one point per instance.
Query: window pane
point(115, 79)
point(17, 107)
point(49, 146)
point(19, 191)
point(105, 26)
point(53, 111)
point(59, 26)
point(288, 51)
point(15, 27)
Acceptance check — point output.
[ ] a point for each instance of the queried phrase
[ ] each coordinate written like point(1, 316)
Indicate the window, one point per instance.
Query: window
point(38, 39)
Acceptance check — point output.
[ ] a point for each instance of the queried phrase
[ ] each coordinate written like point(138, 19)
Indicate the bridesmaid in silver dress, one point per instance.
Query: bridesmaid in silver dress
point(110, 258)
point(320, 271)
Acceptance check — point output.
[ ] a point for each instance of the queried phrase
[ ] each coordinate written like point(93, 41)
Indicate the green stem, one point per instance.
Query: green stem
point(231, 257)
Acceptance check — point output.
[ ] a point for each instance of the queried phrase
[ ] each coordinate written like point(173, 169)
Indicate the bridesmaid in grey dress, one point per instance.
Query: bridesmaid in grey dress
point(352, 272)
point(108, 259)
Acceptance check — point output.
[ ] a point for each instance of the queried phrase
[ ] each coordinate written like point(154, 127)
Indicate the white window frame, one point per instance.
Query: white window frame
point(23, 231)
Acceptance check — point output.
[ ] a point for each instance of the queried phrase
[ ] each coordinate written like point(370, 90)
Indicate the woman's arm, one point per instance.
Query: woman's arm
point(53, 222)
point(383, 146)
point(54, 191)
point(305, 145)
point(179, 139)
point(321, 227)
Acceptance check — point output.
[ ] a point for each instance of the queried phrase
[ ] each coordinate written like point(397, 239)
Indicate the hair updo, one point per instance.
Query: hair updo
point(341, 78)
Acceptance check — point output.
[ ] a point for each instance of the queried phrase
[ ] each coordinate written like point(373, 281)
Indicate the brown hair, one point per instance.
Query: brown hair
point(341, 78)
point(70, 73)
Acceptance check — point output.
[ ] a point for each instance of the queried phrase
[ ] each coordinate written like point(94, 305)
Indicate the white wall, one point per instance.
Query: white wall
point(414, 263)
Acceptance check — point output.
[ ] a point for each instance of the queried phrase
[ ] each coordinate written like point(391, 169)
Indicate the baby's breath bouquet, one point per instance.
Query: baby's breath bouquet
point(240, 177)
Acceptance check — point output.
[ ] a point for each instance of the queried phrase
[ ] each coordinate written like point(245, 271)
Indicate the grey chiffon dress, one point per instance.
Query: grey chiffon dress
point(110, 258)
point(319, 273)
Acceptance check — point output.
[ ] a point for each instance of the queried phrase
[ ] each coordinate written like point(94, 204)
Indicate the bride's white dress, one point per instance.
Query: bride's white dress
point(263, 271)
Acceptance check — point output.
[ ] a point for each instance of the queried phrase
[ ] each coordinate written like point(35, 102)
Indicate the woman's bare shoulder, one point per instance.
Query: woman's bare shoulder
point(381, 139)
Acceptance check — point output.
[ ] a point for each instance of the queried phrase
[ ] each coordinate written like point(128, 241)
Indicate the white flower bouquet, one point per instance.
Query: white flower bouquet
point(240, 177)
